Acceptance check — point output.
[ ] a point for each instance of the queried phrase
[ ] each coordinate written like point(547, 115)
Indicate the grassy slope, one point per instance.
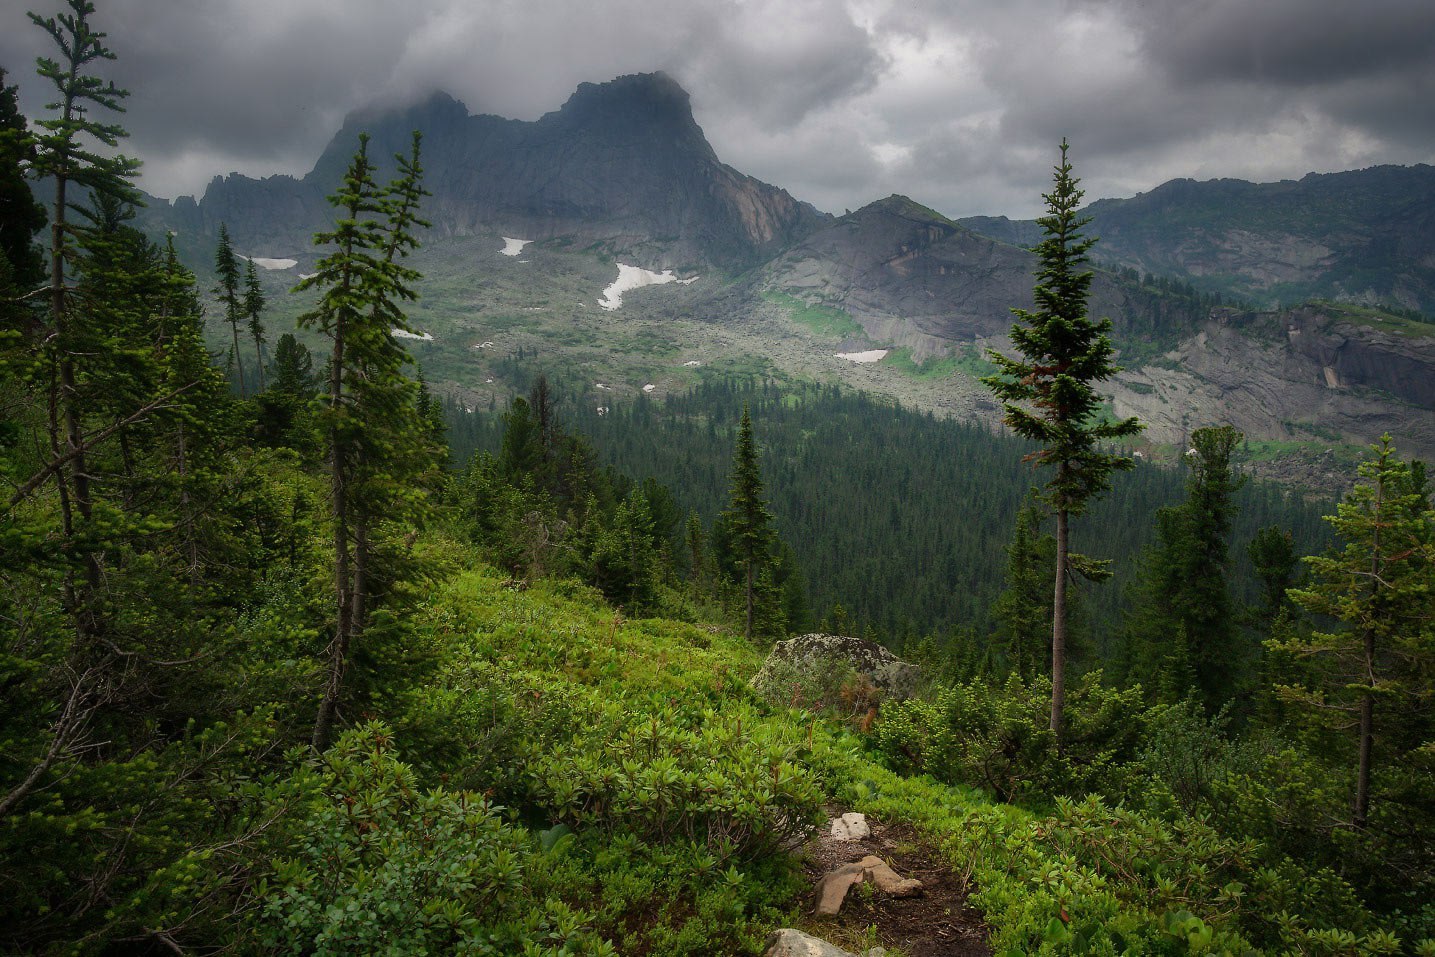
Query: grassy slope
point(1083, 878)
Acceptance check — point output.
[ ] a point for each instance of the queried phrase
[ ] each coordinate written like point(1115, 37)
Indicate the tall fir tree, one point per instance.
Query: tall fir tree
point(75, 150)
point(374, 439)
point(748, 523)
point(254, 303)
point(1274, 560)
point(1048, 393)
point(226, 270)
point(1023, 610)
point(1185, 635)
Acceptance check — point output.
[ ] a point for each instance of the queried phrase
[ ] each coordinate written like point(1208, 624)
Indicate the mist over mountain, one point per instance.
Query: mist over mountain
point(622, 162)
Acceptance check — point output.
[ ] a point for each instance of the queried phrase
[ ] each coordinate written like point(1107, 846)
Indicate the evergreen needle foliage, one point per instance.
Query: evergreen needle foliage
point(1380, 585)
point(1048, 394)
point(748, 523)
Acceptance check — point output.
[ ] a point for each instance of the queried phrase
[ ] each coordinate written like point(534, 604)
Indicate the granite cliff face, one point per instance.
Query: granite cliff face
point(914, 279)
point(621, 162)
point(1304, 374)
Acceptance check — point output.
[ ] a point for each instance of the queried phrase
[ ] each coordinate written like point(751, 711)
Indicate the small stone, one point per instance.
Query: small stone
point(850, 827)
point(788, 942)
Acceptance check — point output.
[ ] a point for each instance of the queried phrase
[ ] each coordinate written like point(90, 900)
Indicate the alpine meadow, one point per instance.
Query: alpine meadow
point(538, 537)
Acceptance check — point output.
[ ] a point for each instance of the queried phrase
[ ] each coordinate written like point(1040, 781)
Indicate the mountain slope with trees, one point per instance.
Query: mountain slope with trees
point(275, 681)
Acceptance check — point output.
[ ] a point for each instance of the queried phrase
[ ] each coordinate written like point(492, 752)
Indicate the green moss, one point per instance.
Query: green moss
point(827, 321)
point(929, 370)
point(1377, 318)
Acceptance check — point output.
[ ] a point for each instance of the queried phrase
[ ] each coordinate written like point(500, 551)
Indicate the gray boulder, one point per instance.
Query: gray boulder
point(815, 667)
point(789, 942)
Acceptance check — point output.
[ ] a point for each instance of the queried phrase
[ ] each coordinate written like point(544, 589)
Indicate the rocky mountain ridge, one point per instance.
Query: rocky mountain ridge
point(622, 163)
point(1363, 236)
point(622, 173)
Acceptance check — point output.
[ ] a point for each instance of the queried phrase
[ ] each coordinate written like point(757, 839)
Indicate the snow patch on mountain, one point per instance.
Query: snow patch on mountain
point(635, 277)
point(265, 263)
point(871, 355)
point(512, 247)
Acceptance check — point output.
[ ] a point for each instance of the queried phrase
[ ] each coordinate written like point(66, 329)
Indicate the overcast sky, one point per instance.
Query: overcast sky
point(956, 103)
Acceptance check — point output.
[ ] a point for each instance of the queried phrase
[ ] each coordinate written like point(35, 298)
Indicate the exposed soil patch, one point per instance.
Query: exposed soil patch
point(935, 923)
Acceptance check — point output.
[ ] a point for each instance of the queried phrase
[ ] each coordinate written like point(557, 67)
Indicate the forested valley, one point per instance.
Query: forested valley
point(901, 518)
point(313, 661)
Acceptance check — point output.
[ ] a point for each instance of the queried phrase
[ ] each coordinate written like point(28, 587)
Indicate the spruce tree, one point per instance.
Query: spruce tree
point(293, 366)
point(226, 270)
point(1184, 634)
point(1274, 560)
point(1048, 393)
point(73, 149)
point(1023, 610)
point(254, 303)
point(21, 218)
point(1212, 634)
point(693, 544)
point(376, 445)
point(1378, 584)
point(747, 520)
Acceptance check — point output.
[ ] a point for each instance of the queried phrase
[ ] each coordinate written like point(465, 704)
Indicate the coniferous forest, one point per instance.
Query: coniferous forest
point(312, 661)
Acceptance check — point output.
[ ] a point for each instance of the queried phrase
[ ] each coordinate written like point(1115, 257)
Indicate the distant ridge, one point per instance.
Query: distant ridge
point(1364, 236)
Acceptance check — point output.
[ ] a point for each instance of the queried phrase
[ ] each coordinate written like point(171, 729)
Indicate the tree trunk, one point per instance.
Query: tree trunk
point(76, 492)
point(1058, 629)
point(238, 359)
point(748, 632)
point(1367, 735)
point(339, 647)
point(359, 586)
point(1361, 811)
point(259, 358)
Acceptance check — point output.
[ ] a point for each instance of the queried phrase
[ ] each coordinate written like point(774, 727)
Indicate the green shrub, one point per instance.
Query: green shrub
point(998, 738)
point(380, 867)
point(728, 782)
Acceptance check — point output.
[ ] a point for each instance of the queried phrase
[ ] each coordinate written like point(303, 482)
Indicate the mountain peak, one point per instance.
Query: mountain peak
point(437, 108)
point(652, 91)
point(640, 106)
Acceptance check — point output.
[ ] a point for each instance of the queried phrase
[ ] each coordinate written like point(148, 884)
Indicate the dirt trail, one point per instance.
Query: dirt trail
point(935, 923)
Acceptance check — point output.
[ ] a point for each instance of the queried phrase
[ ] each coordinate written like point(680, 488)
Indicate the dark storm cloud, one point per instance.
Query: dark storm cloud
point(1370, 66)
point(1288, 42)
point(958, 103)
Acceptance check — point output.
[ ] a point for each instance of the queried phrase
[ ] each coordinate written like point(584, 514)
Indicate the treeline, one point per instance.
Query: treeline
point(543, 504)
point(899, 517)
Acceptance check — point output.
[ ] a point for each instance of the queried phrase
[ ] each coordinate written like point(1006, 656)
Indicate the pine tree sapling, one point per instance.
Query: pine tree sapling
point(1048, 394)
